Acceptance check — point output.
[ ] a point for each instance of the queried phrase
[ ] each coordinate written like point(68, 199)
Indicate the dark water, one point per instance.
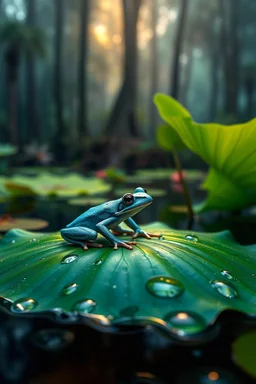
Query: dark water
point(58, 213)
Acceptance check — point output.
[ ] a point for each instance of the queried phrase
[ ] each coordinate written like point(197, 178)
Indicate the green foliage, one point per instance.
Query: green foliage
point(7, 150)
point(168, 138)
point(22, 37)
point(183, 280)
point(47, 184)
point(228, 149)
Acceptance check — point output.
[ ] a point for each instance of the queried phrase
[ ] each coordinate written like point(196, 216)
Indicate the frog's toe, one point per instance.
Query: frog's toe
point(89, 244)
point(124, 244)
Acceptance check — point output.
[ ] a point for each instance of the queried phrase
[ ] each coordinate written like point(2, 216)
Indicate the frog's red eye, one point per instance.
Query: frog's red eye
point(128, 199)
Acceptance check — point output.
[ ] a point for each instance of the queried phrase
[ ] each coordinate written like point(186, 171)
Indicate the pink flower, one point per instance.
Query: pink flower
point(101, 174)
point(175, 177)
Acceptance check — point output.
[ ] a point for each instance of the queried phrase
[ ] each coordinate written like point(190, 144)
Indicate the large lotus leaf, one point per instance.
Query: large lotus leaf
point(47, 184)
point(182, 280)
point(230, 150)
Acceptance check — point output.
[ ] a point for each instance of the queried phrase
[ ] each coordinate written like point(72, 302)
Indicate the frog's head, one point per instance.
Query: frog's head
point(134, 202)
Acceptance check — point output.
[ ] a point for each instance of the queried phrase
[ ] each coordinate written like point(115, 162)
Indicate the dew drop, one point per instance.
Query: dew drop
point(227, 275)
point(70, 288)
point(191, 238)
point(185, 323)
point(114, 286)
point(24, 305)
point(53, 339)
point(13, 242)
point(24, 278)
point(224, 289)
point(97, 262)
point(84, 306)
point(69, 259)
point(165, 287)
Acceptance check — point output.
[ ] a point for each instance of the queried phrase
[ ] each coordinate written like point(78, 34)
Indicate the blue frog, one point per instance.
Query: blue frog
point(100, 219)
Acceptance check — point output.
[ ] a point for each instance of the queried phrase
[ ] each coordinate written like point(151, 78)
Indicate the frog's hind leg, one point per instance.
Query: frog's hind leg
point(80, 235)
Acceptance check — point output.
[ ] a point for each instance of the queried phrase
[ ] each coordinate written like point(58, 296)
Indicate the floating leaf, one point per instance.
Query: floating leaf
point(155, 192)
point(47, 184)
point(85, 201)
point(229, 150)
point(23, 223)
point(182, 281)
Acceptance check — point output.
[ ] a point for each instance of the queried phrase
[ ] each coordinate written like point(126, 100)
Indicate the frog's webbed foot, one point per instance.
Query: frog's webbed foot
point(141, 233)
point(86, 245)
point(124, 244)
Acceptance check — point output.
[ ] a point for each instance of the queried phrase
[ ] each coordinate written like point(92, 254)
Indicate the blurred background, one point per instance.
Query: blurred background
point(77, 77)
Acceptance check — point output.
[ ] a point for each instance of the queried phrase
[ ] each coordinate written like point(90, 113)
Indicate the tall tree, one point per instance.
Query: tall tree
point(82, 69)
point(154, 68)
point(230, 53)
point(122, 120)
point(17, 39)
point(175, 70)
point(32, 108)
point(60, 148)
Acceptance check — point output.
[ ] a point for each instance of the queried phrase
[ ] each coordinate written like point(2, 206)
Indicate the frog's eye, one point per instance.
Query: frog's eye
point(128, 199)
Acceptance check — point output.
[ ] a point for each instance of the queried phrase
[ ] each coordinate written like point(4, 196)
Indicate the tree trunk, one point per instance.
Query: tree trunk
point(122, 121)
point(249, 84)
point(229, 36)
point(12, 60)
point(33, 133)
point(154, 71)
point(60, 147)
point(82, 71)
point(184, 87)
point(175, 71)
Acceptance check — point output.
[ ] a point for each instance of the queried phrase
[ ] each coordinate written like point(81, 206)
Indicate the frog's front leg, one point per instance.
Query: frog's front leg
point(118, 230)
point(80, 235)
point(102, 228)
point(138, 232)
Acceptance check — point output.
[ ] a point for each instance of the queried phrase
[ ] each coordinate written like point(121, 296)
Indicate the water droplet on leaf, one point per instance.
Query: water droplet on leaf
point(13, 241)
point(185, 323)
point(165, 287)
point(224, 289)
point(70, 288)
point(192, 238)
point(84, 306)
point(69, 259)
point(24, 305)
point(97, 262)
point(227, 275)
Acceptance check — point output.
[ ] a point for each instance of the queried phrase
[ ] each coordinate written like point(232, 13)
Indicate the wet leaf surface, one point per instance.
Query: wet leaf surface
point(182, 281)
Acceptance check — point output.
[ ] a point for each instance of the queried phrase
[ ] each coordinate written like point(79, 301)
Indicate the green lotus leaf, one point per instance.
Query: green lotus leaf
point(47, 184)
point(228, 149)
point(182, 280)
point(168, 138)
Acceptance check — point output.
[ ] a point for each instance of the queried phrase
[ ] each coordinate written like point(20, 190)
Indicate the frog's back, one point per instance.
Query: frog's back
point(94, 215)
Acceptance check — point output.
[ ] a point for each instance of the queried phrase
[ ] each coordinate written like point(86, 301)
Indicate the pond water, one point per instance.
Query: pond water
point(168, 208)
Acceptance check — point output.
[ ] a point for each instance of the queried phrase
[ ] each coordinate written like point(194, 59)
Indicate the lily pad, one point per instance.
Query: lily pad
point(228, 149)
point(47, 184)
point(181, 281)
point(154, 192)
point(22, 223)
point(85, 201)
